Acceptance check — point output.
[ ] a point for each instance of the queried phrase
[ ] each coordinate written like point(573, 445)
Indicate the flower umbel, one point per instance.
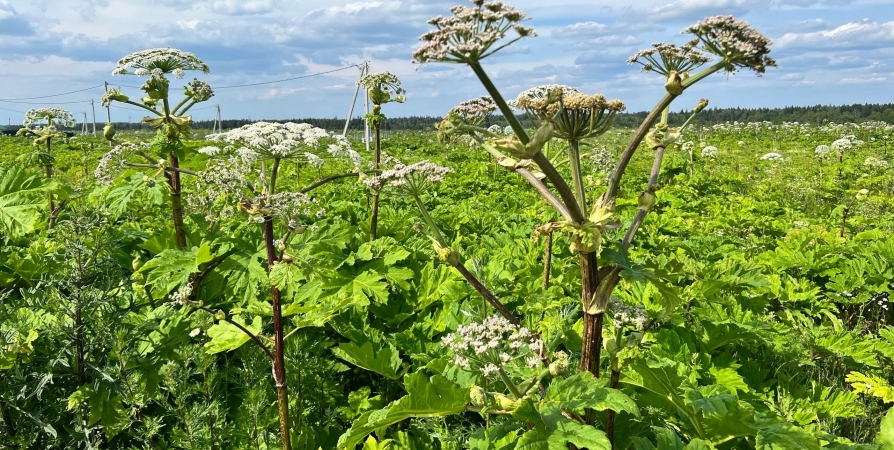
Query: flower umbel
point(735, 41)
point(159, 61)
point(51, 116)
point(471, 33)
point(383, 87)
point(664, 58)
point(411, 179)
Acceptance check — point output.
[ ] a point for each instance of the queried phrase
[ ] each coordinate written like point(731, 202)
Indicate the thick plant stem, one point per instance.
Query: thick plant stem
point(610, 419)
point(650, 190)
point(547, 259)
point(176, 202)
point(592, 336)
point(374, 220)
point(577, 178)
point(279, 361)
point(501, 103)
point(49, 171)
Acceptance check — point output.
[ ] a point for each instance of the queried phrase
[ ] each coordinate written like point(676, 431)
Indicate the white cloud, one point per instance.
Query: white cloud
point(863, 34)
point(863, 80)
point(584, 30)
point(244, 7)
point(697, 9)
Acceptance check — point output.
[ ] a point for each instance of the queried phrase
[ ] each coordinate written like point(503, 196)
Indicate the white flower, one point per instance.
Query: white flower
point(195, 332)
point(772, 156)
point(116, 158)
point(842, 144)
point(159, 61)
point(411, 179)
point(822, 151)
point(51, 117)
point(470, 34)
point(710, 152)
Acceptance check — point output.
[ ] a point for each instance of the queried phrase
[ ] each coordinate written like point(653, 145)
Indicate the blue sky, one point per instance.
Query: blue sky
point(828, 51)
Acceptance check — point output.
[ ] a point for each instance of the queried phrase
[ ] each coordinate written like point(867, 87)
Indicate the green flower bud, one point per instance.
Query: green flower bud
point(510, 145)
point(862, 193)
point(478, 395)
point(505, 403)
point(702, 104)
point(137, 263)
point(220, 315)
point(559, 365)
point(446, 254)
point(539, 139)
point(109, 131)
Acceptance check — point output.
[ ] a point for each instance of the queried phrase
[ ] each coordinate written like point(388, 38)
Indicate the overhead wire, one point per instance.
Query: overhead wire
point(48, 96)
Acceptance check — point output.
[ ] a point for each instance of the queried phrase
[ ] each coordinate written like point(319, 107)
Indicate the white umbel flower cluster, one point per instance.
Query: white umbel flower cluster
point(411, 179)
point(49, 116)
point(822, 152)
point(491, 344)
point(383, 87)
point(115, 160)
point(471, 33)
point(159, 61)
point(772, 156)
point(875, 163)
point(842, 145)
point(542, 91)
point(283, 140)
point(710, 152)
point(474, 111)
point(664, 58)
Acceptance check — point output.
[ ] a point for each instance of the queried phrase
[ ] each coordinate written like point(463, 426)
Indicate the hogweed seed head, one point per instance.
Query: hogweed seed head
point(471, 34)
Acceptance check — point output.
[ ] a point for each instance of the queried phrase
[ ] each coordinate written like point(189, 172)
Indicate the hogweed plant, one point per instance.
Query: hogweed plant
point(242, 175)
point(171, 122)
point(381, 88)
point(41, 123)
point(474, 33)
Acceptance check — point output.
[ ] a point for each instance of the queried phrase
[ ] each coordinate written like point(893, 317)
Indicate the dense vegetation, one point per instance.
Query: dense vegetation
point(550, 284)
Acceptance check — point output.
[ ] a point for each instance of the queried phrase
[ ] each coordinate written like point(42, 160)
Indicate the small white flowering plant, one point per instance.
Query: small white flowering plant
point(41, 123)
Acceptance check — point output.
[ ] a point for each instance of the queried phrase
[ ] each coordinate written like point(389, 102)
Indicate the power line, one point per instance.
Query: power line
point(286, 79)
point(12, 110)
point(43, 103)
point(48, 96)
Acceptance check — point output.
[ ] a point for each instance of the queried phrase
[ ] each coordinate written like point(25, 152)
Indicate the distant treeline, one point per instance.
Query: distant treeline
point(812, 114)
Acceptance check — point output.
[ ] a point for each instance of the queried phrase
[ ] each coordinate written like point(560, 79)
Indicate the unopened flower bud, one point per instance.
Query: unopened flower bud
point(559, 364)
point(510, 145)
point(220, 315)
point(702, 104)
point(505, 403)
point(862, 193)
point(137, 263)
point(447, 254)
point(419, 227)
point(539, 139)
point(478, 395)
point(109, 131)
point(280, 245)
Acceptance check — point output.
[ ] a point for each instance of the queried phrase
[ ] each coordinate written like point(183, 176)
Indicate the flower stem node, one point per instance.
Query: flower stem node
point(478, 395)
point(446, 254)
point(674, 83)
point(662, 136)
point(646, 200)
point(611, 345)
point(505, 403)
point(560, 364)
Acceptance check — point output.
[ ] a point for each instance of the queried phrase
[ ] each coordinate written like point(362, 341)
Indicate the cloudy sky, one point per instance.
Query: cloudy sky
point(829, 52)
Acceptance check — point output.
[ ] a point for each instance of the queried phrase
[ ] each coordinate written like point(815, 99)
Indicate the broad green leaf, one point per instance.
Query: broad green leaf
point(558, 436)
point(885, 436)
point(286, 276)
point(426, 397)
point(226, 336)
point(22, 200)
point(581, 391)
point(776, 435)
point(383, 361)
point(871, 385)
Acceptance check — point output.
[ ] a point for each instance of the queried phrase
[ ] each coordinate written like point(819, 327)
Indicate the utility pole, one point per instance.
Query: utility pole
point(92, 108)
point(84, 128)
point(366, 122)
point(108, 110)
point(364, 68)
